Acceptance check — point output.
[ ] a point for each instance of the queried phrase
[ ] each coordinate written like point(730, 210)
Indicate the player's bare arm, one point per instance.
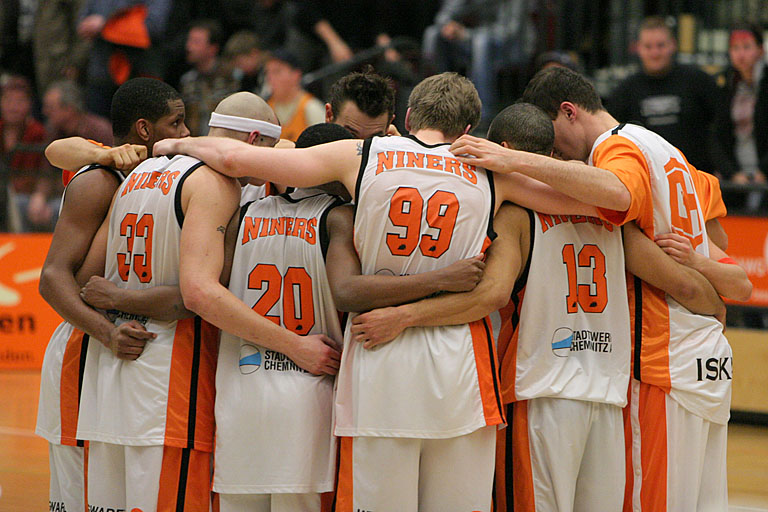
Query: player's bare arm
point(505, 259)
point(728, 278)
point(85, 205)
point(209, 200)
point(533, 194)
point(335, 161)
point(589, 184)
point(647, 261)
point(75, 152)
point(353, 291)
point(717, 234)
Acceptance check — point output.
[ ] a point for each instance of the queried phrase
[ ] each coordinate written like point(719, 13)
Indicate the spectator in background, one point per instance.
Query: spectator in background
point(64, 109)
point(17, 19)
point(676, 101)
point(125, 36)
point(29, 185)
point(363, 103)
point(499, 35)
point(740, 146)
point(208, 82)
point(59, 52)
point(295, 108)
point(244, 55)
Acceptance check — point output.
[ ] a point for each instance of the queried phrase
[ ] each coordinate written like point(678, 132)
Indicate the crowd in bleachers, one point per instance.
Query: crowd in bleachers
point(61, 61)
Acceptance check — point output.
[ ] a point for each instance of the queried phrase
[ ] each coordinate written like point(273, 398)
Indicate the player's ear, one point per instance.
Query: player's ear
point(467, 128)
point(569, 110)
point(504, 144)
point(329, 113)
point(143, 129)
point(408, 119)
point(252, 137)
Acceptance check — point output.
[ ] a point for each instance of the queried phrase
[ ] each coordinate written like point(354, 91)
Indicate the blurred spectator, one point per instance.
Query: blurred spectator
point(741, 125)
point(17, 21)
point(246, 58)
point(208, 82)
point(484, 35)
point(125, 35)
point(676, 101)
point(558, 58)
point(29, 185)
point(363, 103)
point(63, 107)
point(296, 108)
point(59, 52)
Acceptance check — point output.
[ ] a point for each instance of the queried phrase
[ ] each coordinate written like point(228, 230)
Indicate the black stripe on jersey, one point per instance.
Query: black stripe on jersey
point(322, 228)
point(193, 381)
point(509, 473)
point(361, 171)
point(181, 493)
point(80, 373)
point(638, 325)
point(413, 138)
point(492, 360)
point(616, 130)
point(491, 232)
point(177, 198)
point(243, 210)
point(523, 279)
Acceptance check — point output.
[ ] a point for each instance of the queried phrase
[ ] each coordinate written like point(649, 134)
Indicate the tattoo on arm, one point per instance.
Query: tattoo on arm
point(359, 148)
point(221, 229)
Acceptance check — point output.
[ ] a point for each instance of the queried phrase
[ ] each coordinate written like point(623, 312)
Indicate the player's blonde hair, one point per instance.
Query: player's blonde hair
point(447, 102)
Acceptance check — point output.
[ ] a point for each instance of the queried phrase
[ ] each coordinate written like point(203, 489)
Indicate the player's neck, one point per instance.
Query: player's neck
point(597, 124)
point(432, 136)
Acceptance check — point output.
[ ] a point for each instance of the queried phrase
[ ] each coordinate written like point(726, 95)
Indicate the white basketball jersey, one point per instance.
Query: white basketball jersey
point(573, 339)
point(274, 420)
point(698, 356)
point(165, 397)
point(63, 366)
point(419, 209)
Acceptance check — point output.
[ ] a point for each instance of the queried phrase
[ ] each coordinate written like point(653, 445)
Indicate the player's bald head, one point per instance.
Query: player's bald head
point(249, 106)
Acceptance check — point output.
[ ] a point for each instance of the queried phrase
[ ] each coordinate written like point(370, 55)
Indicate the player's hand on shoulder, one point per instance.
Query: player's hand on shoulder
point(481, 152)
point(124, 157)
point(166, 147)
point(99, 293)
point(127, 341)
point(393, 131)
point(318, 354)
point(377, 327)
point(462, 276)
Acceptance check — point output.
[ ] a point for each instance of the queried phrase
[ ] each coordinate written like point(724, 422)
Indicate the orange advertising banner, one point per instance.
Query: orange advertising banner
point(26, 320)
point(748, 245)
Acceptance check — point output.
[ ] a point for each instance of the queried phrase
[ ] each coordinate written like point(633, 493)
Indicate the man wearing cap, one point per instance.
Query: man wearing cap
point(296, 108)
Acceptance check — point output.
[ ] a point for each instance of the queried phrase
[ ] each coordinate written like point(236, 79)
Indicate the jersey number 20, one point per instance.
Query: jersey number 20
point(296, 290)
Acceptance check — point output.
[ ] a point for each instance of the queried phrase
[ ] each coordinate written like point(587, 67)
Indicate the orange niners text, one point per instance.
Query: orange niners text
point(406, 159)
point(259, 227)
point(150, 179)
point(550, 221)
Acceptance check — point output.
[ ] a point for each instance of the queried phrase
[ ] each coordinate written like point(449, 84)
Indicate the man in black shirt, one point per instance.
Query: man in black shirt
point(676, 101)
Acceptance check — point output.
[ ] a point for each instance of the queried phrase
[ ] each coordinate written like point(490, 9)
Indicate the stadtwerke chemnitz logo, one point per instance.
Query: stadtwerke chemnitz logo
point(566, 340)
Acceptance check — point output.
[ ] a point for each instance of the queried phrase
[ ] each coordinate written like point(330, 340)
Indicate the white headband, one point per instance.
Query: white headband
point(243, 124)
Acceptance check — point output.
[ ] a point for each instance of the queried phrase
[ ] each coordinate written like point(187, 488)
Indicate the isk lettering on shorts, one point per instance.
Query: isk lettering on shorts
point(714, 368)
point(550, 221)
point(150, 180)
point(260, 227)
point(279, 362)
point(394, 160)
point(114, 314)
point(56, 506)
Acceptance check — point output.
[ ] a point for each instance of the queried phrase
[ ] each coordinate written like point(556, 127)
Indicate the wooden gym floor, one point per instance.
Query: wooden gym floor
point(24, 456)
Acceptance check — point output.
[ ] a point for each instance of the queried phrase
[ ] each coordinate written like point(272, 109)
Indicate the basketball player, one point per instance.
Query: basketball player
point(363, 103)
point(416, 210)
point(564, 345)
point(143, 111)
point(682, 370)
point(151, 448)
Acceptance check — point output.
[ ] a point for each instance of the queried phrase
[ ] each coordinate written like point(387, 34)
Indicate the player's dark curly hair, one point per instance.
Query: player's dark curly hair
point(552, 86)
point(524, 127)
point(140, 98)
point(372, 93)
point(322, 133)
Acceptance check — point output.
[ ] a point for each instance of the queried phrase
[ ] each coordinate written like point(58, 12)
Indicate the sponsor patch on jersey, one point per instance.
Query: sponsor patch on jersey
point(566, 340)
point(250, 359)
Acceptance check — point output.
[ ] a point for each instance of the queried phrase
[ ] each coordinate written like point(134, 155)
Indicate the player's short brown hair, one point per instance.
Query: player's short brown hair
point(655, 23)
point(552, 86)
point(524, 127)
point(447, 102)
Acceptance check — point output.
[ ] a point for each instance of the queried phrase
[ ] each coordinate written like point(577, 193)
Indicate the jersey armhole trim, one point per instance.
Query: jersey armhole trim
point(523, 279)
point(323, 226)
point(492, 187)
point(638, 327)
point(177, 198)
point(361, 171)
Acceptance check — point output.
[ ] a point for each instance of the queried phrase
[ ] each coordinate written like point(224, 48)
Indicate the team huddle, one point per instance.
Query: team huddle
point(307, 329)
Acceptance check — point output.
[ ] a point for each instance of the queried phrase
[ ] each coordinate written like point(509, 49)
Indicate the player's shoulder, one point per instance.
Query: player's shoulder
point(511, 215)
